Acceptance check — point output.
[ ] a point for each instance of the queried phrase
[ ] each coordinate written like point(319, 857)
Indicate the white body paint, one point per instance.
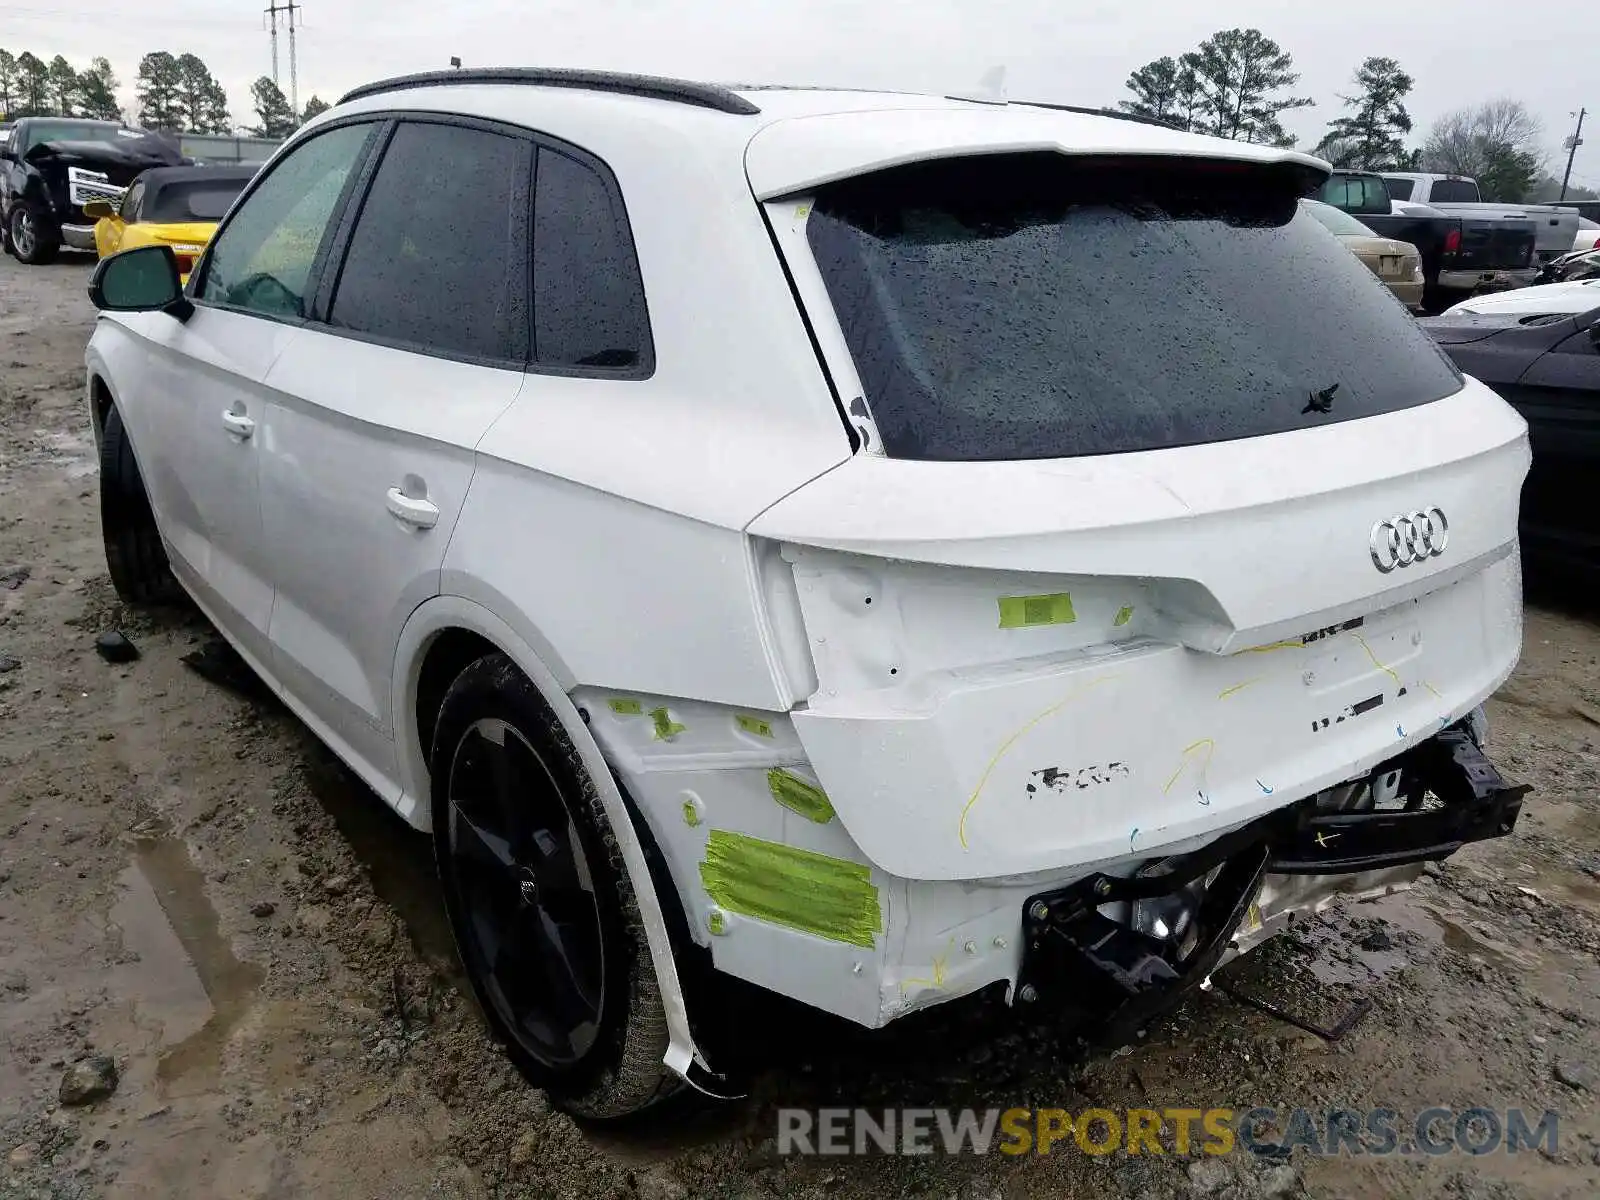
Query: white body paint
point(706, 542)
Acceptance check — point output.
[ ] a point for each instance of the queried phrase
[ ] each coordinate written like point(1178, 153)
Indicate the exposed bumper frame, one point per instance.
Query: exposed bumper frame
point(1080, 959)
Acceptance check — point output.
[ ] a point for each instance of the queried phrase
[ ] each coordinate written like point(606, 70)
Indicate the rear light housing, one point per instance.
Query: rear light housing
point(1452, 242)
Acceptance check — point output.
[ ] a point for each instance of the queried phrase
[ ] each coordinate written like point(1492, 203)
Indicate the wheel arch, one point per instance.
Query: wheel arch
point(101, 399)
point(441, 636)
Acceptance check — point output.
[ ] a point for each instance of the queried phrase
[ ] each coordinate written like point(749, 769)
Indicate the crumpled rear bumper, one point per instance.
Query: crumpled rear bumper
point(1082, 953)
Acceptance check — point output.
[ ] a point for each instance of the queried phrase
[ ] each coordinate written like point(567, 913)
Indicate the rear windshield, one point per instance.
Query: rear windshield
point(191, 200)
point(1038, 306)
point(1453, 191)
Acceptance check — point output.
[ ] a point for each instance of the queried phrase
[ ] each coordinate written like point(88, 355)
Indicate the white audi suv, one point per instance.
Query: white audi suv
point(878, 547)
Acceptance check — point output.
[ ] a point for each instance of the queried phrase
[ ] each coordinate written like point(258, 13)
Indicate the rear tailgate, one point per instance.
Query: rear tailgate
point(1033, 666)
point(1120, 563)
point(1495, 245)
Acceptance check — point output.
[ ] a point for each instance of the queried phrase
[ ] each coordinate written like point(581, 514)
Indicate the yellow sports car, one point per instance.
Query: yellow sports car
point(168, 206)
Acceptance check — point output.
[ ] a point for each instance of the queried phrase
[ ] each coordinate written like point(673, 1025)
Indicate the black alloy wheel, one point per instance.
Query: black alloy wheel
point(527, 893)
point(540, 900)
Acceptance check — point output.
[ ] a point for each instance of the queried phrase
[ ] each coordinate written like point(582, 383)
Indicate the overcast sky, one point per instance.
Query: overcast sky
point(1075, 51)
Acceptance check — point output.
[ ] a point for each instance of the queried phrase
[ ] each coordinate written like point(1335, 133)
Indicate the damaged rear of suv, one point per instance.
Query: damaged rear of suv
point(1174, 566)
point(876, 547)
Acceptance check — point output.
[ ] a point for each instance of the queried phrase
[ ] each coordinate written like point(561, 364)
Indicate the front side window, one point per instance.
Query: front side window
point(1042, 306)
point(589, 308)
point(1399, 189)
point(261, 260)
point(439, 259)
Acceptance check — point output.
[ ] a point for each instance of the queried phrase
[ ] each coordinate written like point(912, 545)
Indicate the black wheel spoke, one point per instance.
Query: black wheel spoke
point(477, 844)
point(530, 920)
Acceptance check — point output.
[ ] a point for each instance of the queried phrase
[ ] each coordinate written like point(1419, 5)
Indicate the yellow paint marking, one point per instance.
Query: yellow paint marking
point(1386, 670)
point(937, 981)
point(1238, 687)
point(1433, 689)
point(1287, 644)
point(1211, 748)
point(1326, 839)
point(1005, 746)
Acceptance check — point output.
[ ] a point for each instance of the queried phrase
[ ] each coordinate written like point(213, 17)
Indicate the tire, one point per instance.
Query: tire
point(5, 233)
point(544, 914)
point(135, 556)
point(35, 239)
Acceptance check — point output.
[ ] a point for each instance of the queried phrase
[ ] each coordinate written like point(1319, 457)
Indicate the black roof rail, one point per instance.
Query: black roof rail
point(681, 91)
point(1113, 113)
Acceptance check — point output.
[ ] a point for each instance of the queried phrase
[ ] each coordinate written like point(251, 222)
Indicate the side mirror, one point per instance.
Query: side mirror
point(144, 279)
point(99, 209)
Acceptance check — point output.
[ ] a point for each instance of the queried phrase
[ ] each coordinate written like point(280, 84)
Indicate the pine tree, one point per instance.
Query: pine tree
point(202, 98)
point(1372, 136)
point(277, 119)
point(160, 91)
point(315, 107)
point(33, 86)
point(8, 82)
point(63, 87)
point(97, 92)
point(1243, 75)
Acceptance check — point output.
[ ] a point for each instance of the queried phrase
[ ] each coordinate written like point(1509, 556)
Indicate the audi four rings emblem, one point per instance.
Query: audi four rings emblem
point(1409, 538)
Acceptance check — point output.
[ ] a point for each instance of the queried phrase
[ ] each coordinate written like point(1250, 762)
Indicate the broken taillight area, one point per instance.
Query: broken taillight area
point(1123, 948)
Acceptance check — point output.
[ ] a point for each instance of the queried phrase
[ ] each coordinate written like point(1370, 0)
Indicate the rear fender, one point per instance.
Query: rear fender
point(452, 612)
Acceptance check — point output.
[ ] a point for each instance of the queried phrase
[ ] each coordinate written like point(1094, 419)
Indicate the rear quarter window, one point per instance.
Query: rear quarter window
point(1040, 306)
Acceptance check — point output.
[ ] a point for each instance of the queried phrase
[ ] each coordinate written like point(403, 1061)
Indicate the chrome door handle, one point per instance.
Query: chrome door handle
point(239, 425)
point(408, 510)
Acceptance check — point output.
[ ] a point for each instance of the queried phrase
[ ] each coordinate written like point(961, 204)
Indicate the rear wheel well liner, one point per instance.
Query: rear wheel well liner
point(449, 653)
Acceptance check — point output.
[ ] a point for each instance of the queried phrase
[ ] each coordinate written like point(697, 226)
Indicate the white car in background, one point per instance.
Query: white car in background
point(1548, 299)
point(878, 547)
point(1588, 234)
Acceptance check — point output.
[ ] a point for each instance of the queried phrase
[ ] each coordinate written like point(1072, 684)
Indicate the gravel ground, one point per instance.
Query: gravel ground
point(203, 912)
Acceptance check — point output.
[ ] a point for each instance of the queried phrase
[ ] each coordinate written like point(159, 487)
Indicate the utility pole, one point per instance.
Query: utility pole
point(294, 67)
point(1573, 143)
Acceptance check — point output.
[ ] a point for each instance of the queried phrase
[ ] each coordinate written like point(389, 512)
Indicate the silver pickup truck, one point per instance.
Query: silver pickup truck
point(1555, 227)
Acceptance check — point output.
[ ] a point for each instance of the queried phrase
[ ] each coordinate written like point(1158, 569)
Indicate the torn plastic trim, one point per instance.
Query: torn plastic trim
point(1448, 794)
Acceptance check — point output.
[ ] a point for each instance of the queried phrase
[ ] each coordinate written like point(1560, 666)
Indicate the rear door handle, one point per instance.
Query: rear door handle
point(238, 424)
point(408, 510)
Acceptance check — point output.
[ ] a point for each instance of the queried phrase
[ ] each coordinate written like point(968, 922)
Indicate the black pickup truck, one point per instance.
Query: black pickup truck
point(50, 167)
point(1461, 256)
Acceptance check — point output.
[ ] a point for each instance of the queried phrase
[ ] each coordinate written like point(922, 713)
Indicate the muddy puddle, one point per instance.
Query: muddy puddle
point(180, 971)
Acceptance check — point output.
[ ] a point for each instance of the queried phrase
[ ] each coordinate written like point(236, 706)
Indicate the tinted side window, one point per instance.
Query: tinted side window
point(1375, 196)
point(261, 261)
point(588, 297)
point(1400, 189)
point(439, 255)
